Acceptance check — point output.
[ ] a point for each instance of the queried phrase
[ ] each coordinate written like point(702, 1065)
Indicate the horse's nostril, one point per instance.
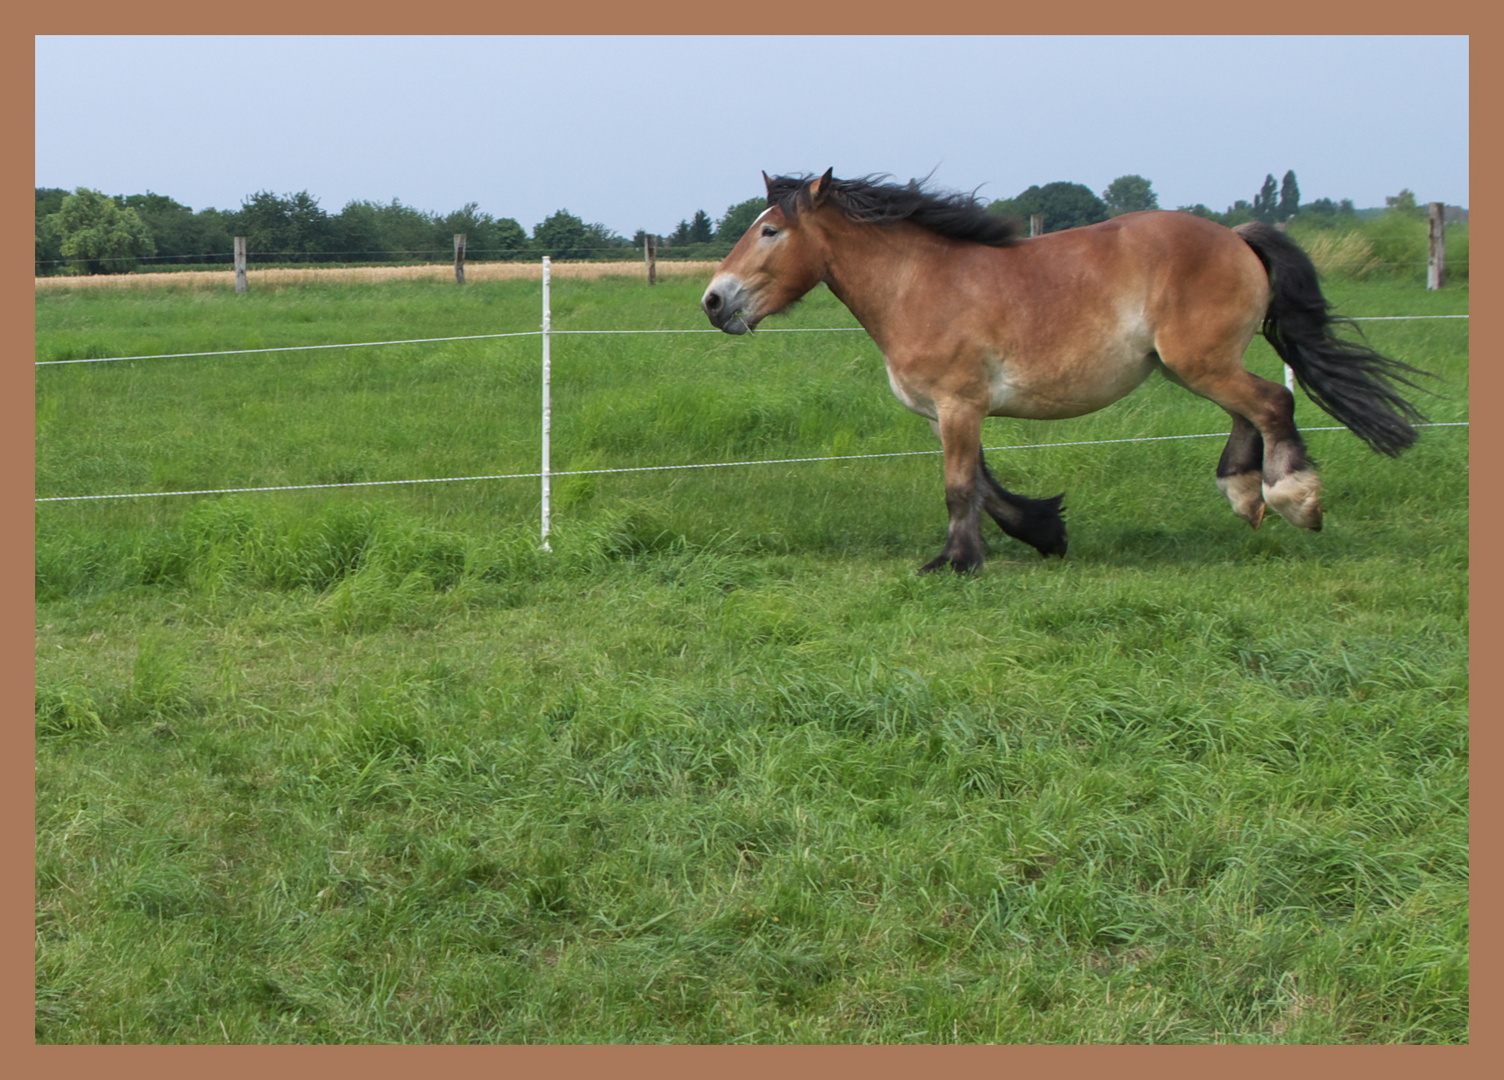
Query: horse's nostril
point(712, 301)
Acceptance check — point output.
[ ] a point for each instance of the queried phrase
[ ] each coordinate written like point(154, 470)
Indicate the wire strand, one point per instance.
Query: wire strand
point(536, 333)
point(661, 468)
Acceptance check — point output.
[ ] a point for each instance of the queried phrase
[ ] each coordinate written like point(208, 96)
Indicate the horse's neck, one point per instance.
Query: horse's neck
point(880, 272)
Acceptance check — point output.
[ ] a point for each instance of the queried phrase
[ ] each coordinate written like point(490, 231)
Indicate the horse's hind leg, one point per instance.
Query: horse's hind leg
point(1240, 472)
point(1291, 485)
point(1264, 412)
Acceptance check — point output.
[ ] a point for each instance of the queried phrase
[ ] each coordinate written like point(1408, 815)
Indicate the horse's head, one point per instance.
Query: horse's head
point(776, 261)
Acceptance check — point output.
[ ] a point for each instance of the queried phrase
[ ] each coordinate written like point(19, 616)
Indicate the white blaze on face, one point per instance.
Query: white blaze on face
point(735, 313)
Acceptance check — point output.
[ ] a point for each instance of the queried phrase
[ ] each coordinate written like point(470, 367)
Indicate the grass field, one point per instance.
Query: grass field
point(365, 765)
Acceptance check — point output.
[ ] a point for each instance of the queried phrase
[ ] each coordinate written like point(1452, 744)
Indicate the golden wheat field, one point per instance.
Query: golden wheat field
point(296, 275)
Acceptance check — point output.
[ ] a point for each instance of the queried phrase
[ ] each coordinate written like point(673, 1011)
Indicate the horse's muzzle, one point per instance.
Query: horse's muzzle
point(726, 304)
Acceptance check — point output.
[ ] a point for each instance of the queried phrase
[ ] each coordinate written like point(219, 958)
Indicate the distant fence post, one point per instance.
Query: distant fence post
point(1036, 224)
point(240, 264)
point(1436, 269)
point(650, 256)
point(459, 258)
point(547, 403)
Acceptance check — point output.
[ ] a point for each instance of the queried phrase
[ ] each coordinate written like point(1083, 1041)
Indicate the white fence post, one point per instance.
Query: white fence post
point(547, 403)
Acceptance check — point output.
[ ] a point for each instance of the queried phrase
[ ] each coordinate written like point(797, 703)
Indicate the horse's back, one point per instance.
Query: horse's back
point(1179, 266)
point(1159, 264)
point(1172, 239)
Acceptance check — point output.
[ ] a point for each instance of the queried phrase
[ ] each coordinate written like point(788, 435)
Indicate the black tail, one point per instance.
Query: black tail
point(1349, 380)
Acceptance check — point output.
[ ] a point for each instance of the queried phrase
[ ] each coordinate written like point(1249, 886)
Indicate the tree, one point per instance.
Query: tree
point(600, 240)
point(1200, 210)
point(478, 228)
point(1403, 204)
point(509, 238)
point(1265, 203)
point(358, 226)
point(561, 236)
point(411, 232)
point(290, 227)
point(485, 236)
point(49, 202)
point(1237, 213)
point(178, 232)
point(738, 219)
point(1324, 213)
point(1321, 207)
point(1063, 204)
point(385, 231)
point(169, 222)
point(1129, 193)
point(1289, 198)
point(99, 235)
point(700, 229)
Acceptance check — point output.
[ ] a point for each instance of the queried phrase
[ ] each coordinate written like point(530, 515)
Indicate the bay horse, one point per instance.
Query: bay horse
point(973, 320)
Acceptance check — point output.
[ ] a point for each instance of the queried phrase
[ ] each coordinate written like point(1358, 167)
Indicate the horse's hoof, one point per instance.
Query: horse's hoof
point(1055, 547)
point(958, 565)
point(1246, 493)
point(1297, 498)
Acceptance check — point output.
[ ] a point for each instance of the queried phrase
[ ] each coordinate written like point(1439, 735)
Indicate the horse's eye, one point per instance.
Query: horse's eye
point(768, 230)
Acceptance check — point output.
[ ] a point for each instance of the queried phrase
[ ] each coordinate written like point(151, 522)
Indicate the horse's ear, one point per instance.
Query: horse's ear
point(819, 189)
point(767, 182)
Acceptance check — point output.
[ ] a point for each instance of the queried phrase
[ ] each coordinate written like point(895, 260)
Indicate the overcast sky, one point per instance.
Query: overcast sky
point(639, 133)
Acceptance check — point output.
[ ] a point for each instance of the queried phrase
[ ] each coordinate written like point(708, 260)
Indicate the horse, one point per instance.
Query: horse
point(975, 320)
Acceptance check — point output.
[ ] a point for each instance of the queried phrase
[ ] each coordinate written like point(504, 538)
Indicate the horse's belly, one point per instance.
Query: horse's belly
point(1059, 391)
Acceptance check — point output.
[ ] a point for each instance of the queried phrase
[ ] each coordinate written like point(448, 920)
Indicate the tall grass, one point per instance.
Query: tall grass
point(1394, 246)
point(367, 765)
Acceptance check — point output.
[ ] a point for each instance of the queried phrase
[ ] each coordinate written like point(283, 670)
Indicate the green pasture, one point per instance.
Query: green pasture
point(365, 764)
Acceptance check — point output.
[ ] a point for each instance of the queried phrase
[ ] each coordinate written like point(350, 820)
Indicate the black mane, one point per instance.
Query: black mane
point(954, 214)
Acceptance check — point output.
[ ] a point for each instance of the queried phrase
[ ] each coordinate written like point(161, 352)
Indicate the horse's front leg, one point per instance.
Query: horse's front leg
point(960, 431)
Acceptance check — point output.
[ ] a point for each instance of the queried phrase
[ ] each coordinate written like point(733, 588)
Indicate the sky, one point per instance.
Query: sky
point(639, 132)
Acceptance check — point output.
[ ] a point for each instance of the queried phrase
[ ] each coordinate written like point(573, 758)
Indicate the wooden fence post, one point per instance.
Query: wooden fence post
point(1436, 269)
point(459, 258)
point(1036, 224)
point(240, 264)
point(650, 256)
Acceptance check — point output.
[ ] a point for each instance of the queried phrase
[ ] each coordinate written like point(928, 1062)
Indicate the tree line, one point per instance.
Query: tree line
point(1064, 205)
point(86, 231)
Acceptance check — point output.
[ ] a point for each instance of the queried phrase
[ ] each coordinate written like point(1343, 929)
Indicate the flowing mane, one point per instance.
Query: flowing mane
point(867, 199)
